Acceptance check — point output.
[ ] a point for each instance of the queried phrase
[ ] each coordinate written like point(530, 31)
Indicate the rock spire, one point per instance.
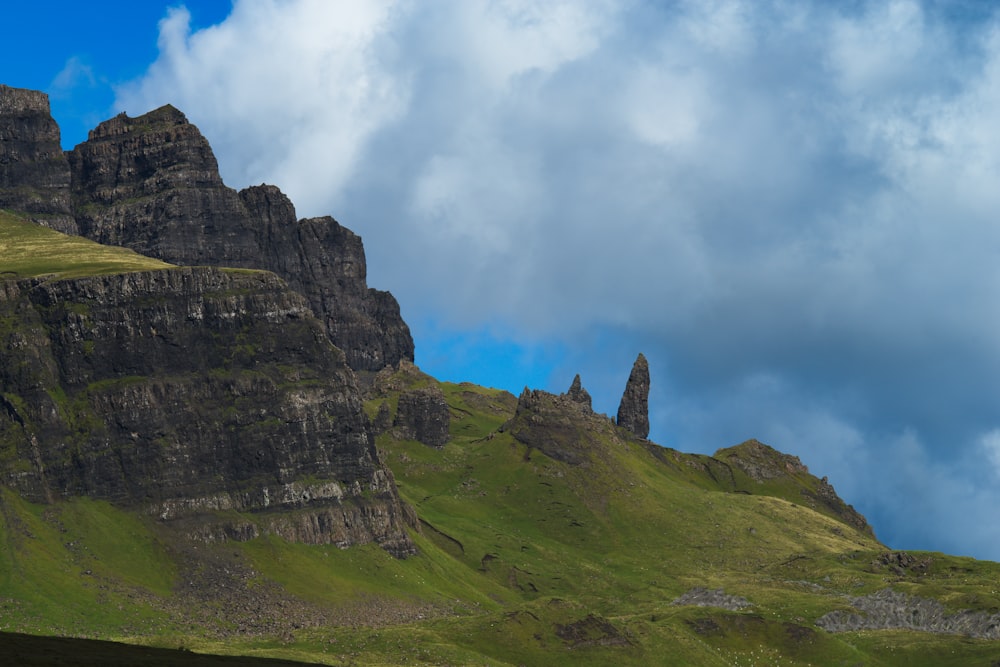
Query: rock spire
point(578, 394)
point(633, 411)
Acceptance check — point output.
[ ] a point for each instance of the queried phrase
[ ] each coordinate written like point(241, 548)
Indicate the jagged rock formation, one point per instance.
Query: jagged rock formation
point(633, 411)
point(578, 393)
point(152, 184)
point(423, 415)
point(34, 173)
point(560, 427)
point(891, 610)
point(186, 392)
point(764, 464)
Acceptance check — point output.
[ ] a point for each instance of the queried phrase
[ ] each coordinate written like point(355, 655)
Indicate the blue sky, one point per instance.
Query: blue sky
point(790, 208)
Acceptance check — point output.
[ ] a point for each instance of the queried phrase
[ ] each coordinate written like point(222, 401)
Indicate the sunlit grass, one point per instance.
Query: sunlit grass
point(28, 250)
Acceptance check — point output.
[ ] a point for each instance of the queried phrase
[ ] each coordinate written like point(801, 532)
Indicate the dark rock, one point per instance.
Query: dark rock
point(152, 184)
point(34, 173)
point(578, 393)
point(423, 415)
point(591, 631)
point(562, 428)
point(383, 419)
point(633, 411)
point(189, 394)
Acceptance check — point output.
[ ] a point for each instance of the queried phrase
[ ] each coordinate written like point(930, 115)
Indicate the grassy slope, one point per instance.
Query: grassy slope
point(28, 250)
point(524, 560)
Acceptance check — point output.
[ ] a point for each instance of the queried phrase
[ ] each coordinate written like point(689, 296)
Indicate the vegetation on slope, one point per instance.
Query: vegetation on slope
point(548, 536)
point(30, 250)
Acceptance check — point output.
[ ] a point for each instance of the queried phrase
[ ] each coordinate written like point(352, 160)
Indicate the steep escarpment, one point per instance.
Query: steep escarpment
point(152, 184)
point(34, 173)
point(206, 397)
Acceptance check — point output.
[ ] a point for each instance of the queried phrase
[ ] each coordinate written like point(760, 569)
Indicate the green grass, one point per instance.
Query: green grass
point(522, 560)
point(29, 250)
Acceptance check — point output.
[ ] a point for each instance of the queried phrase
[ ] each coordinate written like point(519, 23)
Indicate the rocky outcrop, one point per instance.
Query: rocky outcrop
point(423, 415)
point(152, 184)
point(633, 411)
point(764, 465)
point(34, 173)
point(562, 428)
point(578, 393)
point(891, 610)
point(703, 597)
point(211, 399)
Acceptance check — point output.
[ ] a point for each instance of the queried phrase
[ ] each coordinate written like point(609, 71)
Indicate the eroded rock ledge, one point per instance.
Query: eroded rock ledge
point(191, 394)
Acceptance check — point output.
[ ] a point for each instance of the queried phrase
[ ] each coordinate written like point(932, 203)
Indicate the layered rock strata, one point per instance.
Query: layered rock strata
point(152, 184)
point(209, 398)
point(34, 173)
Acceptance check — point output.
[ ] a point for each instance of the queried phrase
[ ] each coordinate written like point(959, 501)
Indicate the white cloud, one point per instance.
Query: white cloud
point(287, 92)
point(76, 73)
point(990, 446)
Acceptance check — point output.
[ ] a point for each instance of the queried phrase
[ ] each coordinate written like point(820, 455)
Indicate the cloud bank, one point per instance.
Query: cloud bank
point(789, 207)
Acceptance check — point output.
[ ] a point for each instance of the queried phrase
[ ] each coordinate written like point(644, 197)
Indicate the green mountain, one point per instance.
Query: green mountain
point(194, 472)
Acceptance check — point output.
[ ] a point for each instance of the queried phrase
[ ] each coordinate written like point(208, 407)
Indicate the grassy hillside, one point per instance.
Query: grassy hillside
point(28, 250)
point(523, 560)
point(585, 547)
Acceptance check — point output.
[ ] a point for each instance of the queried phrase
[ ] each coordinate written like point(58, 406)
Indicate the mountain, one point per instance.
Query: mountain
point(213, 439)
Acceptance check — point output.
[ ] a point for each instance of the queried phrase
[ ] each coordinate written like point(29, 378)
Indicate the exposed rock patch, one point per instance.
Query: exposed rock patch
point(633, 411)
point(890, 610)
point(902, 563)
point(591, 631)
point(702, 597)
point(423, 415)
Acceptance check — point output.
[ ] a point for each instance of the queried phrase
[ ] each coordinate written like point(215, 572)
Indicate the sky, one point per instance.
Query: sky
point(791, 208)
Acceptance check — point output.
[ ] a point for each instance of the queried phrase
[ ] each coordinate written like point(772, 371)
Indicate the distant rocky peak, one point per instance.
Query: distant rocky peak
point(165, 117)
point(633, 411)
point(152, 184)
point(269, 204)
point(578, 393)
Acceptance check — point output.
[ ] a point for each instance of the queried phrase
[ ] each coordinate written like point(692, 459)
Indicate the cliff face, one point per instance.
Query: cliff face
point(152, 184)
point(34, 173)
point(187, 392)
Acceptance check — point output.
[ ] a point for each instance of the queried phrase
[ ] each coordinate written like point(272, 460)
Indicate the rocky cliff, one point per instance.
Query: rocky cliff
point(211, 399)
point(152, 184)
point(34, 173)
